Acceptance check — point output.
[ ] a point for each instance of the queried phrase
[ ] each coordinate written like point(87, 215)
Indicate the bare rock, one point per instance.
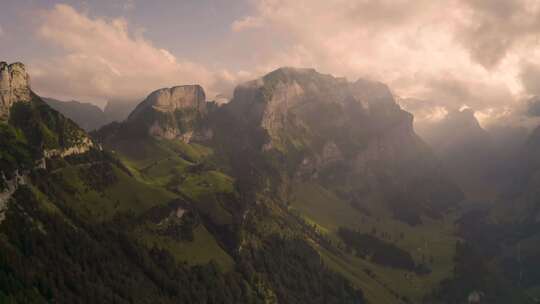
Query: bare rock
point(168, 100)
point(14, 86)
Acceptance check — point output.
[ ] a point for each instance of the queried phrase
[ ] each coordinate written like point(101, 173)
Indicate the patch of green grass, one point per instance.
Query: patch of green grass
point(198, 186)
point(46, 205)
point(374, 292)
point(201, 250)
point(125, 195)
point(432, 243)
point(168, 167)
point(324, 207)
point(192, 152)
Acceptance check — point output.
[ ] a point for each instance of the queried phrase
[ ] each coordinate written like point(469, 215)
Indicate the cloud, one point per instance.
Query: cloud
point(482, 54)
point(493, 28)
point(2, 33)
point(246, 23)
point(530, 77)
point(454, 53)
point(102, 59)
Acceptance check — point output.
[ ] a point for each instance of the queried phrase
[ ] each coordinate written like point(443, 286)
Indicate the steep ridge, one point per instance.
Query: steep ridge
point(31, 131)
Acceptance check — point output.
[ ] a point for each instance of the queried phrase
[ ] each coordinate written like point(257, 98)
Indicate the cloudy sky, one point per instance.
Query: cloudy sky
point(437, 55)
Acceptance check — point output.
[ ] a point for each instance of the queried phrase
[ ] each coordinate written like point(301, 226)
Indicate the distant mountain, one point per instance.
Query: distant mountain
point(119, 110)
point(86, 115)
point(89, 116)
point(468, 152)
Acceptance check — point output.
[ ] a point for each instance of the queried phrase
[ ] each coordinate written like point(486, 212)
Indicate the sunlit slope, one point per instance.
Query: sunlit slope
point(431, 243)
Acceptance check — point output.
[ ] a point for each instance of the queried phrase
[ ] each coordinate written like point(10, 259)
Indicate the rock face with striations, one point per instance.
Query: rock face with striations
point(351, 136)
point(14, 86)
point(172, 113)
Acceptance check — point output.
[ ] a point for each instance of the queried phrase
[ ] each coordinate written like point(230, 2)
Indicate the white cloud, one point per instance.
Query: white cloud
point(101, 60)
point(247, 23)
point(457, 52)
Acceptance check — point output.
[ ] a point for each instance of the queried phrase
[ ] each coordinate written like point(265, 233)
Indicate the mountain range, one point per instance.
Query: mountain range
point(303, 188)
point(89, 116)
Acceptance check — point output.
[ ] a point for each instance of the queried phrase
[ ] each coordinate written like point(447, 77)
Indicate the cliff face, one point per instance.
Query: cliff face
point(351, 137)
point(168, 100)
point(172, 113)
point(14, 86)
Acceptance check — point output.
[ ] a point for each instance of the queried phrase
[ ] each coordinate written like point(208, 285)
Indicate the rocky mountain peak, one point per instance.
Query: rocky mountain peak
point(14, 86)
point(168, 100)
point(173, 113)
point(373, 94)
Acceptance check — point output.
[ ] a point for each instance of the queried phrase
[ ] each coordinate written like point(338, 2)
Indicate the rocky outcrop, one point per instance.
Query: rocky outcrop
point(14, 86)
point(303, 98)
point(169, 100)
point(173, 113)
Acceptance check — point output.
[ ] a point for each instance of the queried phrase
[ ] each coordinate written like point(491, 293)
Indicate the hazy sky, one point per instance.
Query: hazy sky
point(441, 55)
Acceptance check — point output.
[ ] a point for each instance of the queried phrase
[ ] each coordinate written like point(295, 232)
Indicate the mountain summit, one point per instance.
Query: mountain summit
point(14, 86)
point(172, 112)
point(351, 137)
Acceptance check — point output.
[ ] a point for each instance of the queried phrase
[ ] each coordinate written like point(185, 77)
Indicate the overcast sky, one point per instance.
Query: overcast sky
point(438, 55)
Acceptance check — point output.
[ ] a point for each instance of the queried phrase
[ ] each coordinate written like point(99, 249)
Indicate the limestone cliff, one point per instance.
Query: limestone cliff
point(351, 136)
point(14, 86)
point(173, 113)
